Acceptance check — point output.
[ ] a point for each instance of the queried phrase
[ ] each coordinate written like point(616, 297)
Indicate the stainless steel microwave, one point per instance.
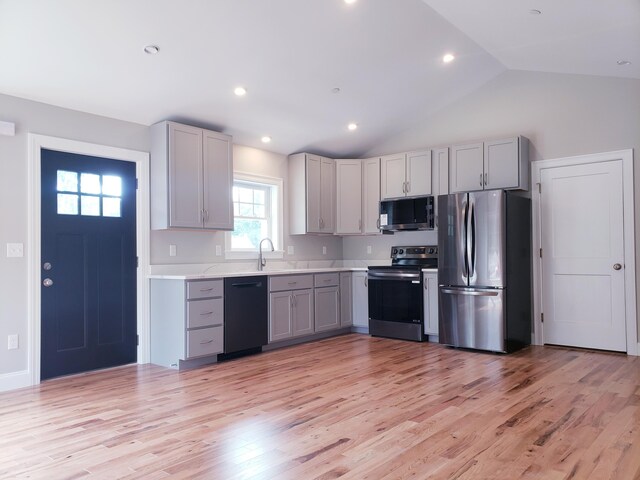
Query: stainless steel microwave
point(407, 214)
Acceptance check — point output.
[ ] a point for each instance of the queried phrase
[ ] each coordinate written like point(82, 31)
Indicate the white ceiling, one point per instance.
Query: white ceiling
point(384, 55)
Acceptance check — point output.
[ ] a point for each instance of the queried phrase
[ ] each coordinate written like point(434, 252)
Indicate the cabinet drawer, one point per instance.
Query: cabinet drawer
point(202, 313)
point(326, 279)
point(290, 282)
point(206, 341)
point(204, 289)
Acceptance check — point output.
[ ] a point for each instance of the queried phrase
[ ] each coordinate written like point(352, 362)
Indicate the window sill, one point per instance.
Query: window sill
point(278, 254)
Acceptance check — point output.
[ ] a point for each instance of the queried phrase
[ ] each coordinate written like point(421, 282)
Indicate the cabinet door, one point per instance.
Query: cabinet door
point(327, 308)
point(392, 176)
point(218, 181)
point(419, 173)
point(360, 300)
point(371, 195)
point(466, 168)
point(185, 176)
point(348, 196)
point(327, 195)
point(441, 171)
point(302, 312)
point(313, 169)
point(430, 281)
point(501, 163)
point(346, 300)
point(280, 316)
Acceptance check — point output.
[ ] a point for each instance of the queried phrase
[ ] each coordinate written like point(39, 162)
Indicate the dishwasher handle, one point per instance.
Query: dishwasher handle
point(247, 284)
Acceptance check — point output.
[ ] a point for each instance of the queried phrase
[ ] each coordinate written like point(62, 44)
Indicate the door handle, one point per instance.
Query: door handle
point(47, 282)
point(617, 266)
point(473, 293)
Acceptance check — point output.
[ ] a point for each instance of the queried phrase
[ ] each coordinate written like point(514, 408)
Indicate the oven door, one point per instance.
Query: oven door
point(396, 304)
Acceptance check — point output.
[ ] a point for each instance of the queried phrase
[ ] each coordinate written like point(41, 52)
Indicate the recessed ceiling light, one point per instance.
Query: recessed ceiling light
point(266, 139)
point(623, 62)
point(352, 126)
point(335, 90)
point(240, 91)
point(349, 2)
point(151, 49)
point(448, 58)
point(535, 11)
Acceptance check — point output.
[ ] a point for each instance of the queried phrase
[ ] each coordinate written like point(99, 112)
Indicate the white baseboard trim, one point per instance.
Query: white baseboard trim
point(13, 380)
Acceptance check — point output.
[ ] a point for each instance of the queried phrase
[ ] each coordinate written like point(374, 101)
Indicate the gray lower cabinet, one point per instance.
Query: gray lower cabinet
point(360, 301)
point(346, 300)
point(290, 306)
point(187, 320)
point(327, 301)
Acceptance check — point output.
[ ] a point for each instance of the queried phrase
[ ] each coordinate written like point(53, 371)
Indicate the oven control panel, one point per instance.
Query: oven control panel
point(407, 252)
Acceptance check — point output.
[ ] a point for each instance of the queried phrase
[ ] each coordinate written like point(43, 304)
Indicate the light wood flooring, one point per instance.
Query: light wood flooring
point(351, 407)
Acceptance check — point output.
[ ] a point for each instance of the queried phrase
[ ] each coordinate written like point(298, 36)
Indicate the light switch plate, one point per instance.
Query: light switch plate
point(15, 250)
point(290, 250)
point(12, 342)
point(7, 129)
point(218, 250)
point(324, 250)
point(173, 250)
point(369, 250)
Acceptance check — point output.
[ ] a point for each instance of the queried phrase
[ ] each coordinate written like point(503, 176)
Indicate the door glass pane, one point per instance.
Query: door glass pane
point(110, 207)
point(90, 206)
point(67, 181)
point(67, 204)
point(90, 183)
point(112, 185)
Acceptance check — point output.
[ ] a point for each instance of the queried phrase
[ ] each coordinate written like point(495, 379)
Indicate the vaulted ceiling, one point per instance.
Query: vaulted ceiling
point(310, 67)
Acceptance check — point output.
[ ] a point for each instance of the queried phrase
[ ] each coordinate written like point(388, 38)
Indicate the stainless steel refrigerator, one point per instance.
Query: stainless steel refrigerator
point(484, 270)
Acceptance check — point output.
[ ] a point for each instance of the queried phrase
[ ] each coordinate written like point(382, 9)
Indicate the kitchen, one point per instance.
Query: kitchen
point(561, 113)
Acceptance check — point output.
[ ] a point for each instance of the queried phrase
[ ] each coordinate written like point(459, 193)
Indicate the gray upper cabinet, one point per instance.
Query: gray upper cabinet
point(405, 174)
point(493, 164)
point(371, 195)
point(348, 197)
point(191, 178)
point(312, 194)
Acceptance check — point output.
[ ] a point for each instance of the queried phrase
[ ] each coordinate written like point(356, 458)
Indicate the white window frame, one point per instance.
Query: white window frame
point(277, 216)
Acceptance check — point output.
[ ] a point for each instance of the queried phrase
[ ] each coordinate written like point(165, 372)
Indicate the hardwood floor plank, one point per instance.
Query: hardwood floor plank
point(350, 407)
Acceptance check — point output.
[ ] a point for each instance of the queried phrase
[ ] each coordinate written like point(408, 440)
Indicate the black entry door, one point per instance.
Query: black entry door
point(88, 318)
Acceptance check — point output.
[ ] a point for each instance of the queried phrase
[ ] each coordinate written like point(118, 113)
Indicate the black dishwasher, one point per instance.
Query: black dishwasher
point(246, 315)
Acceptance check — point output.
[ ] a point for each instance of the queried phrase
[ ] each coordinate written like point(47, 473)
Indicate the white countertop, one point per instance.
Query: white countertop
point(217, 274)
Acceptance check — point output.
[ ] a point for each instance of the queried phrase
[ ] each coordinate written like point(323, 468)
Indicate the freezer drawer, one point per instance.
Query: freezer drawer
point(472, 318)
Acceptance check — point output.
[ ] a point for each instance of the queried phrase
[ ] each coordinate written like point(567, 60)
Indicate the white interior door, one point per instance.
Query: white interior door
point(582, 238)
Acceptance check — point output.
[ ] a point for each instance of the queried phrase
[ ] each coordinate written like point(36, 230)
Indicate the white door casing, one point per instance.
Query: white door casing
point(141, 159)
point(583, 221)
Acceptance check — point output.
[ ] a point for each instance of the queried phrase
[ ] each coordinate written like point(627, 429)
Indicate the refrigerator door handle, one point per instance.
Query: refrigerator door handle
point(465, 240)
point(473, 293)
point(472, 252)
point(468, 240)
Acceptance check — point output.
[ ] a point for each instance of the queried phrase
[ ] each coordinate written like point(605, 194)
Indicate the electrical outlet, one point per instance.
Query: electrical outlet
point(369, 250)
point(324, 250)
point(12, 342)
point(218, 250)
point(290, 250)
point(15, 250)
point(173, 250)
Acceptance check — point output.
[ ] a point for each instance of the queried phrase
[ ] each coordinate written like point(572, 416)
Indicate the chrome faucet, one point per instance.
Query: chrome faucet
point(261, 260)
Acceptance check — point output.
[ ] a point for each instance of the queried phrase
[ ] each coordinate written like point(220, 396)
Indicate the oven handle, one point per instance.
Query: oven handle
point(393, 276)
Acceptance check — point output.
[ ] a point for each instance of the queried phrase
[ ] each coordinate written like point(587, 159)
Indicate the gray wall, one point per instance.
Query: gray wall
point(562, 115)
point(33, 117)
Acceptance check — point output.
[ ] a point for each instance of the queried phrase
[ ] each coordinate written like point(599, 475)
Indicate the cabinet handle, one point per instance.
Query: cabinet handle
point(366, 281)
point(378, 223)
point(485, 178)
point(206, 289)
point(206, 215)
point(206, 313)
point(291, 283)
point(408, 187)
point(294, 302)
point(360, 224)
point(204, 342)
point(481, 180)
point(425, 283)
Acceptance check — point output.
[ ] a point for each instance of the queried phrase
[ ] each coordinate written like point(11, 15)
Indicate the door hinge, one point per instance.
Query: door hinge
point(539, 187)
point(137, 262)
point(137, 340)
point(540, 253)
point(542, 318)
point(136, 184)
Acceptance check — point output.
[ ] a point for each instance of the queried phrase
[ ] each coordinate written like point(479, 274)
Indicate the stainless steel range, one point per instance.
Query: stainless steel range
point(396, 305)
